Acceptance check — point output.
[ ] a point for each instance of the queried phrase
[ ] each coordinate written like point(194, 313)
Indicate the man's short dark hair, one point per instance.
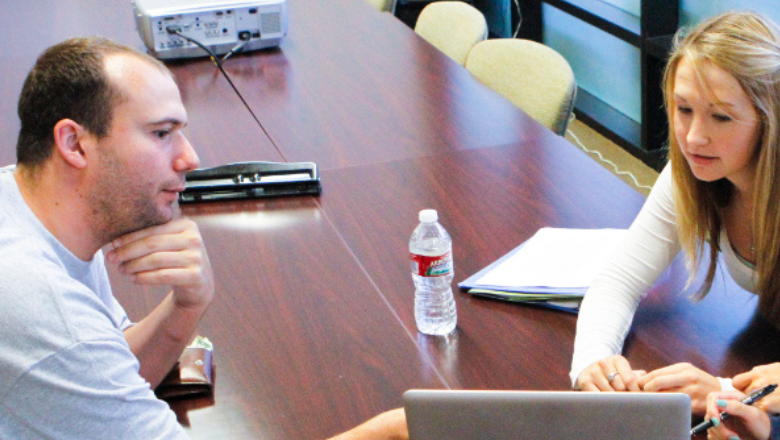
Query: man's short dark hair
point(68, 81)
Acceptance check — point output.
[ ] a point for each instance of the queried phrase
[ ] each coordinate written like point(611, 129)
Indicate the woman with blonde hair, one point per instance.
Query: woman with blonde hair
point(718, 197)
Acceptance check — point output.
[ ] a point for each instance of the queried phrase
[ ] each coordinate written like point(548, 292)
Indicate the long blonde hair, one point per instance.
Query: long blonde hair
point(747, 46)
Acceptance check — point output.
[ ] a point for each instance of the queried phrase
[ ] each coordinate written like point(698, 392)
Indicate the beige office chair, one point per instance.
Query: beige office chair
point(383, 5)
point(533, 76)
point(452, 27)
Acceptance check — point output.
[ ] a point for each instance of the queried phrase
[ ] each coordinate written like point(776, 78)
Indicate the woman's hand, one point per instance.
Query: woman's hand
point(682, 378)
point(760, 377)
point(746, 422)
point(609, 374)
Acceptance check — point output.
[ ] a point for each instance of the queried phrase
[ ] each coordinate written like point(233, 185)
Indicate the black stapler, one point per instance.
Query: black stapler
point(246, 180)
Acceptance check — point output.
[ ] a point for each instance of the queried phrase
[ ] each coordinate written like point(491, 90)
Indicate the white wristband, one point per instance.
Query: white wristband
point(725, 384)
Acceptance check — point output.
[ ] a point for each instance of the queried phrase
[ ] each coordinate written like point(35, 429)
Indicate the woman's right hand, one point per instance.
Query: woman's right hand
point(596, 376)
point(747, 422)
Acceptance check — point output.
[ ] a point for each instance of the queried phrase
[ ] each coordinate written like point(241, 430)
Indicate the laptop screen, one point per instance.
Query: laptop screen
point(546, 415)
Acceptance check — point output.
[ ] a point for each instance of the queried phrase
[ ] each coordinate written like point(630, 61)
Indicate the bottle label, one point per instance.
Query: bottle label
point(428, 266)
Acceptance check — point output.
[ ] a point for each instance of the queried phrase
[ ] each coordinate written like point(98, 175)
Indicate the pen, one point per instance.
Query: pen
point(754, 397)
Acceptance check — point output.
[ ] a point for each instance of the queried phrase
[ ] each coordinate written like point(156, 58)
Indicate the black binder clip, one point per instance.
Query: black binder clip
point(246, 180)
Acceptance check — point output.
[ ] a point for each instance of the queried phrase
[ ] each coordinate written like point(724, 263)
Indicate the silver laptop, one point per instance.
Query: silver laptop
point(546, 415)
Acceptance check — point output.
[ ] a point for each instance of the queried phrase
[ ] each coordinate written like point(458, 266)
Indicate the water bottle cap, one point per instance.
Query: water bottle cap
point(429, 215)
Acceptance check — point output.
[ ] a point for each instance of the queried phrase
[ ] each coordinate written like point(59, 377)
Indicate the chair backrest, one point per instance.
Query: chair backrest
point(383, 5)
point(533, 76)
point(453, 27)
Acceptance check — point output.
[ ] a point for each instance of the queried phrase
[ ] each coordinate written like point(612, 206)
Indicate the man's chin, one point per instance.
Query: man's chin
point(168, 207)
point(170, 212)
point(163, 216)
point(147, 220)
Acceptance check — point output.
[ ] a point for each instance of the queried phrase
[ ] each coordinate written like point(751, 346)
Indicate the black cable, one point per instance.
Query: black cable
point(234, 50)
point(176, 30)
point(244, 37)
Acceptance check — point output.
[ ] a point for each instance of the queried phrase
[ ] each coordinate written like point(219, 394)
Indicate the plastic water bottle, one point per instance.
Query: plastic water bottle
point(432, 271)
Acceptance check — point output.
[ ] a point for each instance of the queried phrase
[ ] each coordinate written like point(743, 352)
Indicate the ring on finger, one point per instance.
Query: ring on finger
point(612, 376)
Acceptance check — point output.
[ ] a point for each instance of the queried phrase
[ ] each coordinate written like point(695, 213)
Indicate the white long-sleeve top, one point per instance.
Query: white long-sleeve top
point(648, 249)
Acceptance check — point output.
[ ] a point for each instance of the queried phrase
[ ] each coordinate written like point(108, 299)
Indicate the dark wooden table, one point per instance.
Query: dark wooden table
point(313, 323)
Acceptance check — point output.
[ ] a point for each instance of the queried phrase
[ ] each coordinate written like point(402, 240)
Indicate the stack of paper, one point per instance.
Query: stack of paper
point(553, 268)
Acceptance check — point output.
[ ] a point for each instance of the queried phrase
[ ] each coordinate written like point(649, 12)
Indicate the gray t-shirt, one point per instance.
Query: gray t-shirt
point(66, 370)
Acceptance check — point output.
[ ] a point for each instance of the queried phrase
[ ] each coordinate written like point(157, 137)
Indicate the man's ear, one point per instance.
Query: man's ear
point(71, 142)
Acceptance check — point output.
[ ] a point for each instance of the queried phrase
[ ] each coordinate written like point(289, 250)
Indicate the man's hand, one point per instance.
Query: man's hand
point(682, 378)
point(597, 376)
point(390, 425)
point(171, 254)
point(760, 377)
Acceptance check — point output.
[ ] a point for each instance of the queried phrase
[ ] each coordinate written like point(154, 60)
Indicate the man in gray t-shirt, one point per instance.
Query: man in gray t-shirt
point(101, 158)
point(73, 365)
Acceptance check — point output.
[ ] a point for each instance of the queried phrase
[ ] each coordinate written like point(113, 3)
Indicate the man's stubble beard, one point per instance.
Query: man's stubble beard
point(121, 204)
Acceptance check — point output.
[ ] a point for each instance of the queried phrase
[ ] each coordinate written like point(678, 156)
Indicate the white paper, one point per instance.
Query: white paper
point(556, 257)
